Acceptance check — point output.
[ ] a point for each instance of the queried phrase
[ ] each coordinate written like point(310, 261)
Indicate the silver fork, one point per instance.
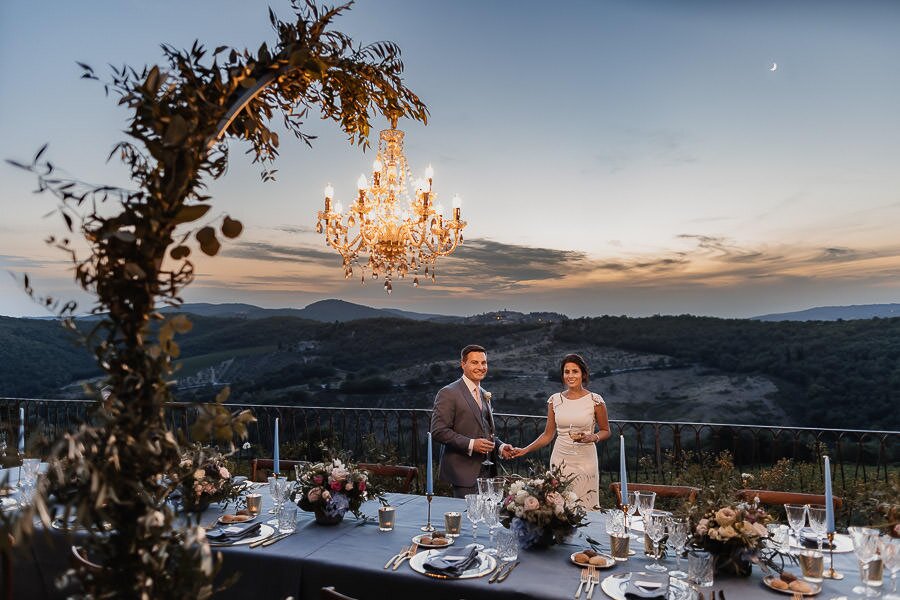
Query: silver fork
point(396, 557)
point(594, 576)
point(584, 579)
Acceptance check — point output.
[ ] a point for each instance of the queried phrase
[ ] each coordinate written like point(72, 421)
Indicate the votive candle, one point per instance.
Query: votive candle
point(623, 472)
point(829, 498)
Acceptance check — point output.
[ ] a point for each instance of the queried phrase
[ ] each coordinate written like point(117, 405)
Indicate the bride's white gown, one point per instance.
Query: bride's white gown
point(577, 459)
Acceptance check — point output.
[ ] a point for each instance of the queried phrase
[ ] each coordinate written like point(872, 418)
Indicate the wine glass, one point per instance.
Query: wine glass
point(497, 488)
point(491, 517)
point(796, 516)
point(474, 513)
point(277, 486)
point(890, 555)
point(679, 527)
point(632, 509)
point(865, 546)
point(484, 485)
point(816, 514)
point(655, 528)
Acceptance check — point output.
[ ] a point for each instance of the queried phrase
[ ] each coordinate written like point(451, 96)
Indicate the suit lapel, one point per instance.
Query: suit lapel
point(470, 400)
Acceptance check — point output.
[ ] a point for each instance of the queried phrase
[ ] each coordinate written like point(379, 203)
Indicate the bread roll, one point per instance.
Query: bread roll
point(598, 561)
point(779, 584)
point(582, 558)
point(800, 586)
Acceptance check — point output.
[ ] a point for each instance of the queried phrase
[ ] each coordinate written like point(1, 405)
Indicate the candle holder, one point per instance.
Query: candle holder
point(830, 573)
point(428, 526)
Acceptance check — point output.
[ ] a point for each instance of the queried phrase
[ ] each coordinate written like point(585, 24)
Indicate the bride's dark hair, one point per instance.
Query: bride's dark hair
point(577, 360)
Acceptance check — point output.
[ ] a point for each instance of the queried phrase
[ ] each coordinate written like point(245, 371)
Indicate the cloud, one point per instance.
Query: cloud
point(24, 262)
point(293, 229)
point(265, 251)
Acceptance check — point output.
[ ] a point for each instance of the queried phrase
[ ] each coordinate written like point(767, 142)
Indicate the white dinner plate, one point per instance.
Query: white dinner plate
point(265, 531)
point(486, 565)
point(614, 587)
point(418, 541)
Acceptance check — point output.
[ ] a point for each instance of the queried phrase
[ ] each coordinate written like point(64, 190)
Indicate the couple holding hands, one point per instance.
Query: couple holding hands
point(463, 421)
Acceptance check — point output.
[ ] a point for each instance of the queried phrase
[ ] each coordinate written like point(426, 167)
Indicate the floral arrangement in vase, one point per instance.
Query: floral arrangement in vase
point(542, 511)
point(735, 534)
point(332, 487)
point(205, 478)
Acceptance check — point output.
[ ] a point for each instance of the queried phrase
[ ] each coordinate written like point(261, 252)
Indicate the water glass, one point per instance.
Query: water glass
point(701, 568)
point(484, 485)
point(812, 563)
point(780, 536)
point(889, 548)
point(507, 545)
point(386, 518)
point(287, 518)
point(865, 546)
point(615, 522)
point(452, 523)
point(655, 528)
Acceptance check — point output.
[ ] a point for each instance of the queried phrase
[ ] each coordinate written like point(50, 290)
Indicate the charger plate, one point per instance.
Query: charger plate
point(487, 563)
point(614, 587)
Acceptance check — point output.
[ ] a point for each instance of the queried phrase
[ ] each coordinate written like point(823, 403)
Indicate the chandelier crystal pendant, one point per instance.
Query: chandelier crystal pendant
point(399, 233)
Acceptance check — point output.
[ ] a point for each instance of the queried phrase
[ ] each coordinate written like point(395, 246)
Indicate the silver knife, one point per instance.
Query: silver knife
point(497, 570)
point(503, 577)
point(275, 538)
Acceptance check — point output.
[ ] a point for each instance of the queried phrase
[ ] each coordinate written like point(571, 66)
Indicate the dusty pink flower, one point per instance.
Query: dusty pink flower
point(532, 503)
point(318, 479)
point(348, 486)
point(362, 485)
point(725, 516)
point(223, 473)
point(336, 486)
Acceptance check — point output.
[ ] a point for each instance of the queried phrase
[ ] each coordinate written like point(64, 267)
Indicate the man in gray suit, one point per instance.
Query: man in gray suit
point(462, 420)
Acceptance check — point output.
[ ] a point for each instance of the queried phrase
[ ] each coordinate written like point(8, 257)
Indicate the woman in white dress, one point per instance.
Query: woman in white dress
point(579, 416)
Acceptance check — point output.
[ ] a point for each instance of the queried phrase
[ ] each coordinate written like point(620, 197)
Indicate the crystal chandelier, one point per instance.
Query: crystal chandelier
point(399, 233)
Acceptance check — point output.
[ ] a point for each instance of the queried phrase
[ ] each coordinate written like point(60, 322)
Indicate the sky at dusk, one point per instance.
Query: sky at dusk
point(631, 157)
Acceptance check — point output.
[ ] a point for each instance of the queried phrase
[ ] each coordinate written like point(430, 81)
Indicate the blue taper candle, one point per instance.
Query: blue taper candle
point(429, 483)
point(623, 472)
point(275, 466)
point(21, 430)
point(829, 498)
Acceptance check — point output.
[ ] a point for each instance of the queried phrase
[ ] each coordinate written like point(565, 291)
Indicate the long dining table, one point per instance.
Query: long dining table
point(351, 556)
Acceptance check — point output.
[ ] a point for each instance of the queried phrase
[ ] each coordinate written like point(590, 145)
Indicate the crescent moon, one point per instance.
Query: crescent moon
point(774, 67)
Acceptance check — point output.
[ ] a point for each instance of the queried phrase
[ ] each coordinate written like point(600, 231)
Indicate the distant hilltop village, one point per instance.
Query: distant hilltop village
point(510, 316)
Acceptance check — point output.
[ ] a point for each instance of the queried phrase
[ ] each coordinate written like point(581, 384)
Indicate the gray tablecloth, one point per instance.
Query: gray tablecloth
point(351, 558)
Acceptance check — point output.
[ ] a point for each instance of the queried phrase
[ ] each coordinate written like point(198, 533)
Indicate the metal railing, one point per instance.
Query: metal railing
point(655, 450)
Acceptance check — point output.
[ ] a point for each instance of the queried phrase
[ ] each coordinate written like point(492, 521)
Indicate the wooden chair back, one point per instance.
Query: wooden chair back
point(662, 491)
point(776, 497)
point(261, 467)
point(404, 474)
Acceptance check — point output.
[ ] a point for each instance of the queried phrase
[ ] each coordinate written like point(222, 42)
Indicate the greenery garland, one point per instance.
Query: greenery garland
point(122, 464)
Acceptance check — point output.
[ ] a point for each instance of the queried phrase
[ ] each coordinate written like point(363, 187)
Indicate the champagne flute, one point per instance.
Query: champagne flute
point(645, 502)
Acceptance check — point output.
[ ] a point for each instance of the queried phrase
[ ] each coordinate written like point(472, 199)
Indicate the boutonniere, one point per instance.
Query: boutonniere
point(487, 396)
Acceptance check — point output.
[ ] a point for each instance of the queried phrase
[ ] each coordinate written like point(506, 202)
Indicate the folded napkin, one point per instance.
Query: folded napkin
point(232, 533)
point(453, 563)
point(808, 540)
point(647, 585)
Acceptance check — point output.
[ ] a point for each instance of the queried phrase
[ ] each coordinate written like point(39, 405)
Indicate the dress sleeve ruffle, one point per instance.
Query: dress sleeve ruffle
point(555, 400)
point(598, 399)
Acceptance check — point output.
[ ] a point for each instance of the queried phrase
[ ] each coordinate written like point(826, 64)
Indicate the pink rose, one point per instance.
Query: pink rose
point(348, 486)
point(362, 486)
point(223, 473)
point(703, 527)
point(318, 480)
point(336, 486)
point(531, 503)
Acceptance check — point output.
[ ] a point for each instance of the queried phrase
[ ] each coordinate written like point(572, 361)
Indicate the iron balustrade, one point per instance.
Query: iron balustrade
point(652, 447)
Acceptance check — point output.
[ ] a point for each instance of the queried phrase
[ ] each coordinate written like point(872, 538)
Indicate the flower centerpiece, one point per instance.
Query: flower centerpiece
point(735, 534)
point(542, 511)
point(332, 487)
point(205, 478)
